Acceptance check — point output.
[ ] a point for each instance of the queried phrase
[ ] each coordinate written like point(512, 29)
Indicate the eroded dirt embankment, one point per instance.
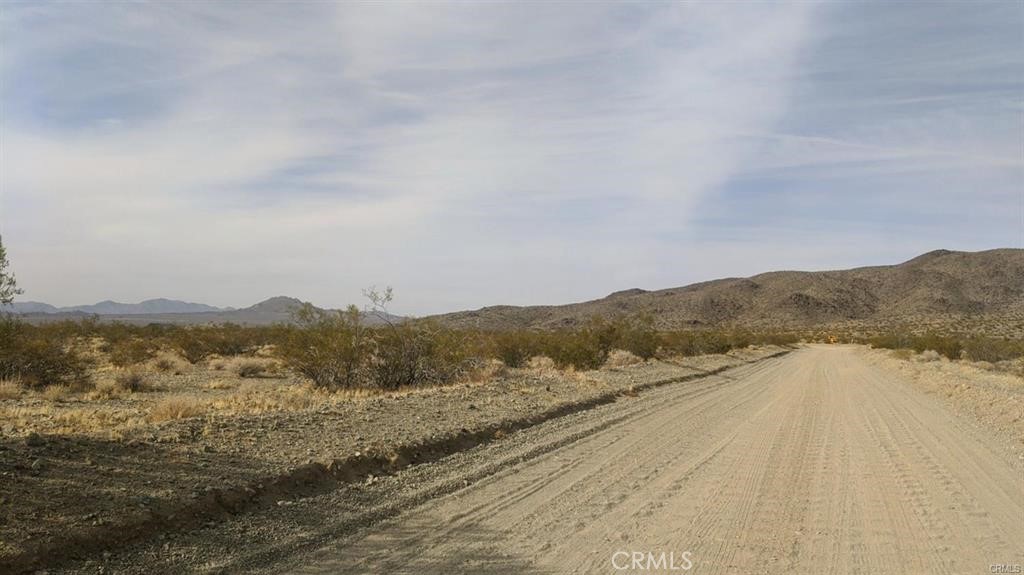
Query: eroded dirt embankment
point(73, 496)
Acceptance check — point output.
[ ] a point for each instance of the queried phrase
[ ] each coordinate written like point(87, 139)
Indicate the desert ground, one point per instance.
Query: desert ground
point(817, 462)
point(816, 458)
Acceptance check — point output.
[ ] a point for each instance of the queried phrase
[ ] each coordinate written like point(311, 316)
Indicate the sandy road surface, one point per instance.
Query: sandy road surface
point(811, 463)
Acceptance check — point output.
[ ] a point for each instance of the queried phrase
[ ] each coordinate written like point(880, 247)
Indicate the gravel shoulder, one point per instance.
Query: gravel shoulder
point(78, 494)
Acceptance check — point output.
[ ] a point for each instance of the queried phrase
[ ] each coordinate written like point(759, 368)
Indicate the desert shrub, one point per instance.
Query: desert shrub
point(250, 369)
point(174, 408)
point(637, 336)
point(131, 351)
point(416, 353)
point(514, 348)
point(123, 382)
point(947, 346)
point(131, 381)
point(701, 342)
point(928, 355)
point(784, 338)
point(690, 343)
point(584, 348)
point(890, 341)
point(191, 345)
point(38, 360)
point(622, 358)
point(252, 366)
point(169, 362)
point(197, 343)
point(331, 349)
point(992, 350)
point(943, 345)
point(975, 348)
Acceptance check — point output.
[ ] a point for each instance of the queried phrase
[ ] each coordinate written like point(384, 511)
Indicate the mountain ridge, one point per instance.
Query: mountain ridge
point(934, 285)
point(110, 307)
point(937, 285)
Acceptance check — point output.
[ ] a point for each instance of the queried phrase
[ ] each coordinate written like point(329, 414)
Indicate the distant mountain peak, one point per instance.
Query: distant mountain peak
point(277, 304)
point(932, 255)
point(627, 292)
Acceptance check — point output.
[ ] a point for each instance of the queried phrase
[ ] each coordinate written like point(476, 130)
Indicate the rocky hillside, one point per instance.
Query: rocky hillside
point(935, 287)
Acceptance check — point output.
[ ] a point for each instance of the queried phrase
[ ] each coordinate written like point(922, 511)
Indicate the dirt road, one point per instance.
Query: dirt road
point(814, 462)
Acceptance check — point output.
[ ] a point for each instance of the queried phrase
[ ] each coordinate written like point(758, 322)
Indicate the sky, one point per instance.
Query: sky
point(471, 154)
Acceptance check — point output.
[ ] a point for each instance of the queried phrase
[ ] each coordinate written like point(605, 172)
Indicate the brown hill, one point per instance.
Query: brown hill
point(938, 288)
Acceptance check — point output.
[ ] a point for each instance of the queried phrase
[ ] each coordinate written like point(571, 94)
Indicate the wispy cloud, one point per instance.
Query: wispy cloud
point(466, 153)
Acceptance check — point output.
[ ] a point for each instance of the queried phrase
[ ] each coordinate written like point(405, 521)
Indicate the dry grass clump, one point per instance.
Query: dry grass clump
point(132, 381)
point(253, 366)
point(622, 358)
point(255, 398)
point(124, 382)
point(56, 392)
point(10, 389)
point(246, 366)
point(541, 363)
point(174, 408)
point(485, 371)
point(170, 363)
point(220, 384)
point(96, 419)
point(927, 355)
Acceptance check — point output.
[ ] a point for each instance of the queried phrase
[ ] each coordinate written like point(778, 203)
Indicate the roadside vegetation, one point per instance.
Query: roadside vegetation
point(1004, 354)
point(974, 348)
point(335, 350)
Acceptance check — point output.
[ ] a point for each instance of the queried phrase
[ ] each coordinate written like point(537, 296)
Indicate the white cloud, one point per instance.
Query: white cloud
point(467, 153)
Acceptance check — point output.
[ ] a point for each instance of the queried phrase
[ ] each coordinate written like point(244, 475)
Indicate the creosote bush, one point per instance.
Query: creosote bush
point(132, 381)
point(330, 348)
point(974, 348)
point(36, 360)
point(131, 351)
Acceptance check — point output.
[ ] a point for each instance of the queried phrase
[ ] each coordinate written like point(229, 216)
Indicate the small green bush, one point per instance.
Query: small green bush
point(515, 348)
point(638, 336)
point(331, 349)
point(416, 353)
point(584, 348)
point(992, 350)
point(131, 351)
